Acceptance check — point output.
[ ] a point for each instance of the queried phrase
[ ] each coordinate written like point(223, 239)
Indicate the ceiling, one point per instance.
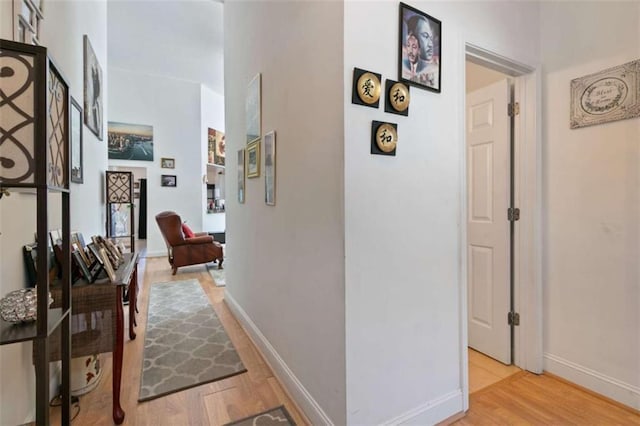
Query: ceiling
point(180, 39)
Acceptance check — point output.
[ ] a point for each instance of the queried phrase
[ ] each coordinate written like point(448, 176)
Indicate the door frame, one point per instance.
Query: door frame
point(527, 196)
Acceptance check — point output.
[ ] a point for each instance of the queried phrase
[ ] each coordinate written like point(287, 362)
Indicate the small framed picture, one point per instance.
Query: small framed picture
point(419, 48)
point(136, 185)
point(253, 159)
point(270, 168)
point(136, 195)
point(252, 109)
point(77, 174)
point(168, 163)
point(241, 176)
point(169, 180)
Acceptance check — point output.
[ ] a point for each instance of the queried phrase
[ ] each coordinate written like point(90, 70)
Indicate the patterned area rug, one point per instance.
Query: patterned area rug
point(185, 344)
point(275, 417)
point(217, 275)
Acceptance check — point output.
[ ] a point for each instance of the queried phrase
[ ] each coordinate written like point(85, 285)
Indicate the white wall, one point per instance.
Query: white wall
point(287, 273)
point(402, 213)
point(212, 116)
point(62, 31)
point(592, 206)
point(478, 76)
point(172, 107)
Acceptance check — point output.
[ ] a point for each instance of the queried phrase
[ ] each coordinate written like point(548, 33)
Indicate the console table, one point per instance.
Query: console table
point(97, 321)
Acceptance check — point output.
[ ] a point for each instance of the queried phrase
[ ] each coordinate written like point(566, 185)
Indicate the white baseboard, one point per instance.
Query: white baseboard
point(296, 389)
point(615, 389)
point(431, 412)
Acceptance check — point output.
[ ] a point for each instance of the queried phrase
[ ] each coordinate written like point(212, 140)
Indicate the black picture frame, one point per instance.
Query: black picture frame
point(82, 266)
point(95, 252)
point(75, 133)
point(417, 27)
point(169, 180)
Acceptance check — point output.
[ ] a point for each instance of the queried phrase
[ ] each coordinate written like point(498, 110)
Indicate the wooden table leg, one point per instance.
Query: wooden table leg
point(118, 413)
point(133, 299)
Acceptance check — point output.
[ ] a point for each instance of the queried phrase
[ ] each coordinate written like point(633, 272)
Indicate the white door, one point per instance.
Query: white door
point(488, 136)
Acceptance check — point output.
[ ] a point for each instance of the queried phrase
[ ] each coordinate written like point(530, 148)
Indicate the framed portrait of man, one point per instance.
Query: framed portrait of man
point(420, 42)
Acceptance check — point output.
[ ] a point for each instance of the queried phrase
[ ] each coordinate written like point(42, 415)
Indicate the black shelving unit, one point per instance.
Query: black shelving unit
point(120, 195)
point(35, 154)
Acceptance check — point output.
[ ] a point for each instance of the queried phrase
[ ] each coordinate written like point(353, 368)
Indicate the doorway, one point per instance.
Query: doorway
point(501, 262)
point(489, 144)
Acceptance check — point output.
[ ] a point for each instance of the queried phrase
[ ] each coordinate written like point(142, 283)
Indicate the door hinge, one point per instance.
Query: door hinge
point(513, 318)
point(513, 214)
point(513, 109)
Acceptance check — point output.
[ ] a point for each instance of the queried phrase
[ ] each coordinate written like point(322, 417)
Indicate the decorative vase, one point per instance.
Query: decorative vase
point(86, 372)
point(20, 305)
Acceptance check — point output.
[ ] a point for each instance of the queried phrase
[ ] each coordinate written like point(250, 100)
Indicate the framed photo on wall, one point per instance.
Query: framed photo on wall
point(75, 131)
point(419, 47)
point(270, 168)
point(253, 159)
point(93, 113)
point(169, 180)
point(168, 163)
point(252, 109)
point(241, 176)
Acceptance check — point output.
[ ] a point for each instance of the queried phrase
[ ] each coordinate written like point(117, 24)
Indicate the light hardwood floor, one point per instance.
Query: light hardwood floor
point(529, 399)
point(485, 371)
point(522, 398)
point(215, 403)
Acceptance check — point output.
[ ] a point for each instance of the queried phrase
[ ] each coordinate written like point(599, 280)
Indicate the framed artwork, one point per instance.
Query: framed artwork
point(397, 98)
point(252, 109)
point(270, 168)
point(169, 180)
point(93, 112)
point(108, 267)
point(82, 266)
point(609, 95)
point(166, 163)
point(253, 159)
point(366, 88)
point(75, 127)
point(241, 176)
point(95, 252)
point(216, 147)
point(384, 138)
point(419, 47)
point(136, 185)
point(130, 141)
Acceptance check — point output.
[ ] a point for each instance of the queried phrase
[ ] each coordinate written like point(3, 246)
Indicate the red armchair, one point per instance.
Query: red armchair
point(187, 251)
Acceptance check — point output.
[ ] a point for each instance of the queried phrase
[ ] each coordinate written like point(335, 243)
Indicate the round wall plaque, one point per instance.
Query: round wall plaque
point(369, 88)
point(386, 137)
point(399, 97)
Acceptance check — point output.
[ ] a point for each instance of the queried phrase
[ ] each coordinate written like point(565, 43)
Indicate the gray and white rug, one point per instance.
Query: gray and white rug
point(217, 274)
point(275, 417)
point(185, 344)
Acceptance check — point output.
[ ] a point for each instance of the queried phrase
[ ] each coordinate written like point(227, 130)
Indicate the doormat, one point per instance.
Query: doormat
point(275, 417)
point(185, 344)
